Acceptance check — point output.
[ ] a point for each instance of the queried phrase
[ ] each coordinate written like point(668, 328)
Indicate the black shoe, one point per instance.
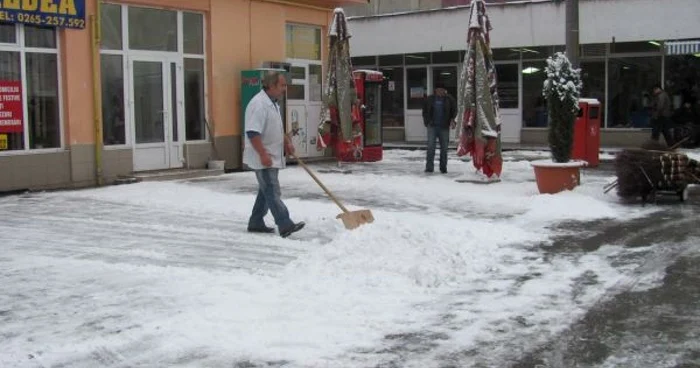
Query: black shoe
point(428, 170)
point(444, 171)
point(263, 230)
point(293, 229)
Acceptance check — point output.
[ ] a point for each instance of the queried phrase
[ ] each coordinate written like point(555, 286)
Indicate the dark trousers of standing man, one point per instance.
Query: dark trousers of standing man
point(442, 135)
point(662, 125)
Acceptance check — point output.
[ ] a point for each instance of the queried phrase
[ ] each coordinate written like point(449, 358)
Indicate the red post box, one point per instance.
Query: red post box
point(586, 145)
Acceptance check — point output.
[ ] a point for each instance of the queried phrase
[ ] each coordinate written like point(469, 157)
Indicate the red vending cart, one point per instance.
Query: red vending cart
point(367, 146)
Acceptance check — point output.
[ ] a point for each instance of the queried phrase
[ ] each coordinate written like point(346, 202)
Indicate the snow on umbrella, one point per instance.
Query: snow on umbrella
point(340, 95)
point(478, 114)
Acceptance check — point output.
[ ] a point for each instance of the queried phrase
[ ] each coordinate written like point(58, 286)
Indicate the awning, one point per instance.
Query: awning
point(683, 47)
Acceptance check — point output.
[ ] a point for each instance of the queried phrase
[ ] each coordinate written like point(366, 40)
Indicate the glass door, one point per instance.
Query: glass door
point(313, 106)
point(373, 124)
point(304, 99)
point(446, 76)
point(297, 90)
point(416, 92)
point(155, 113)
point(508, 84)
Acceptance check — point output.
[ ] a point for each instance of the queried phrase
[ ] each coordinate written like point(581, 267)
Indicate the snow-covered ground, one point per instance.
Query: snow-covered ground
point(163, 274)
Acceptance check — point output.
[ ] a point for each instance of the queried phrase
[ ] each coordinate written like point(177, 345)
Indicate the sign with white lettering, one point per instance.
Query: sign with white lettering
point(45, 13)
point(11, 107)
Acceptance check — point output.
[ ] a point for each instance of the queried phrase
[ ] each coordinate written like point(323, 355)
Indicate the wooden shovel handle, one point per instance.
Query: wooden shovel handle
point(308, 170)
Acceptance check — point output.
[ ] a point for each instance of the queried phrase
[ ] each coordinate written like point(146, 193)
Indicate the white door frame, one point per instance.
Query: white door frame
point(169, 153)
point(512, 119)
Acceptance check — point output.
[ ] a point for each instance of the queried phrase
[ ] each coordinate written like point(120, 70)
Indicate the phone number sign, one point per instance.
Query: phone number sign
point(45, 13)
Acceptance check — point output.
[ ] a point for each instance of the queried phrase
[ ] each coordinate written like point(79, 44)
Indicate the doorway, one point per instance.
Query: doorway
point(156, 112)
point(508, 82)
point(304, 102)
point(416, 92)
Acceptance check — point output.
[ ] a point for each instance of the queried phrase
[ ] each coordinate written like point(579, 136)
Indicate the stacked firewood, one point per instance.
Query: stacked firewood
point(643, 172)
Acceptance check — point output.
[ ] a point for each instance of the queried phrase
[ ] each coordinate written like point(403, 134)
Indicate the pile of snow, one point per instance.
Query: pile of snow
point(437, 247)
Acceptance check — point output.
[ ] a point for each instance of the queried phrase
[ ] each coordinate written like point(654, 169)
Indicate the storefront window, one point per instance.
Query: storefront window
point(508, 91)
point(390, 60)
point(446, 76)
point(193, 31)
point(111, 24)
point(8, 33)
point(635, 47)
point(194, 100)
point(40, 37)
point(30, 110)
point(392, 97)
point(630, 80)
point(315, 82)
point(115, 115)
point(417, 80)
point(10, 71)
point(682, 79)
point(506, 54)
point(422, 58)
point(365, 61)
point(446, 57)
point(593, 78)
point(152, 29)
point(303, 42)
point(296, 86)
point(112, 72)
point(42, 101)
point(534, 107)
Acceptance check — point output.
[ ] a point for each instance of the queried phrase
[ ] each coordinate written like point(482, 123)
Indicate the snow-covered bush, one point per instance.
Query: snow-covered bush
point(562, 90)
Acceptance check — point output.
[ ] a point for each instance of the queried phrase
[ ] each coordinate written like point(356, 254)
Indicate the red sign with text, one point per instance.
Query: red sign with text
point(11, 109)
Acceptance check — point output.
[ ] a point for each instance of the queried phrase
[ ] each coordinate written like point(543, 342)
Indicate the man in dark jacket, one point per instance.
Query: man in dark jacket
point(439, 113)
point(661, 116)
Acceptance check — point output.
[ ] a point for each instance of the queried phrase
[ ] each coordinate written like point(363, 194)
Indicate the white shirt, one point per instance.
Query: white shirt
point(263, 116)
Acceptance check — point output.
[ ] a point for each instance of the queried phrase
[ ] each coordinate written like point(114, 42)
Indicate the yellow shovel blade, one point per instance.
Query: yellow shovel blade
point(353, 219)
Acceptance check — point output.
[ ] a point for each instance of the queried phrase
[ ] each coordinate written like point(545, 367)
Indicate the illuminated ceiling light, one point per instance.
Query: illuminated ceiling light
point(530, 70)
point(654, 43)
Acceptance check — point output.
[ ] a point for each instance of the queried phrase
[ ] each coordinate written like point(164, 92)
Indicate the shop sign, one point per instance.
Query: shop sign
point(45, 13)
point(11, 107)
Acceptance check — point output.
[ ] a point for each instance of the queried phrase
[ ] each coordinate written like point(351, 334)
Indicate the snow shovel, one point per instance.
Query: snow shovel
point(351, 219)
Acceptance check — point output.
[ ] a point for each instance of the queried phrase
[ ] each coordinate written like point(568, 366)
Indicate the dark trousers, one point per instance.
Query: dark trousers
point(442, 135)
point(269, 198)
point(662, 125)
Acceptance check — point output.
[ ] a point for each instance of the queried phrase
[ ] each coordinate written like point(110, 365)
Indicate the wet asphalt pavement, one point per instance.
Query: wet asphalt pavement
point(653, 328)
point(658, 327)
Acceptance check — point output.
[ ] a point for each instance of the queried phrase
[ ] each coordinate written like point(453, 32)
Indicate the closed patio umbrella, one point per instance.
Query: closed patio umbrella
point(339, 99)
point(478, 115)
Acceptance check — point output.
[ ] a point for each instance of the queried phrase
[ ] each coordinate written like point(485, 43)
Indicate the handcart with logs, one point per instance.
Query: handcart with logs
point(647, 173)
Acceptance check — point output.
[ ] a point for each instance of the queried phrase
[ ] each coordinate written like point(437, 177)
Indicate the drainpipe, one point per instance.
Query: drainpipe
point(96, 29)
